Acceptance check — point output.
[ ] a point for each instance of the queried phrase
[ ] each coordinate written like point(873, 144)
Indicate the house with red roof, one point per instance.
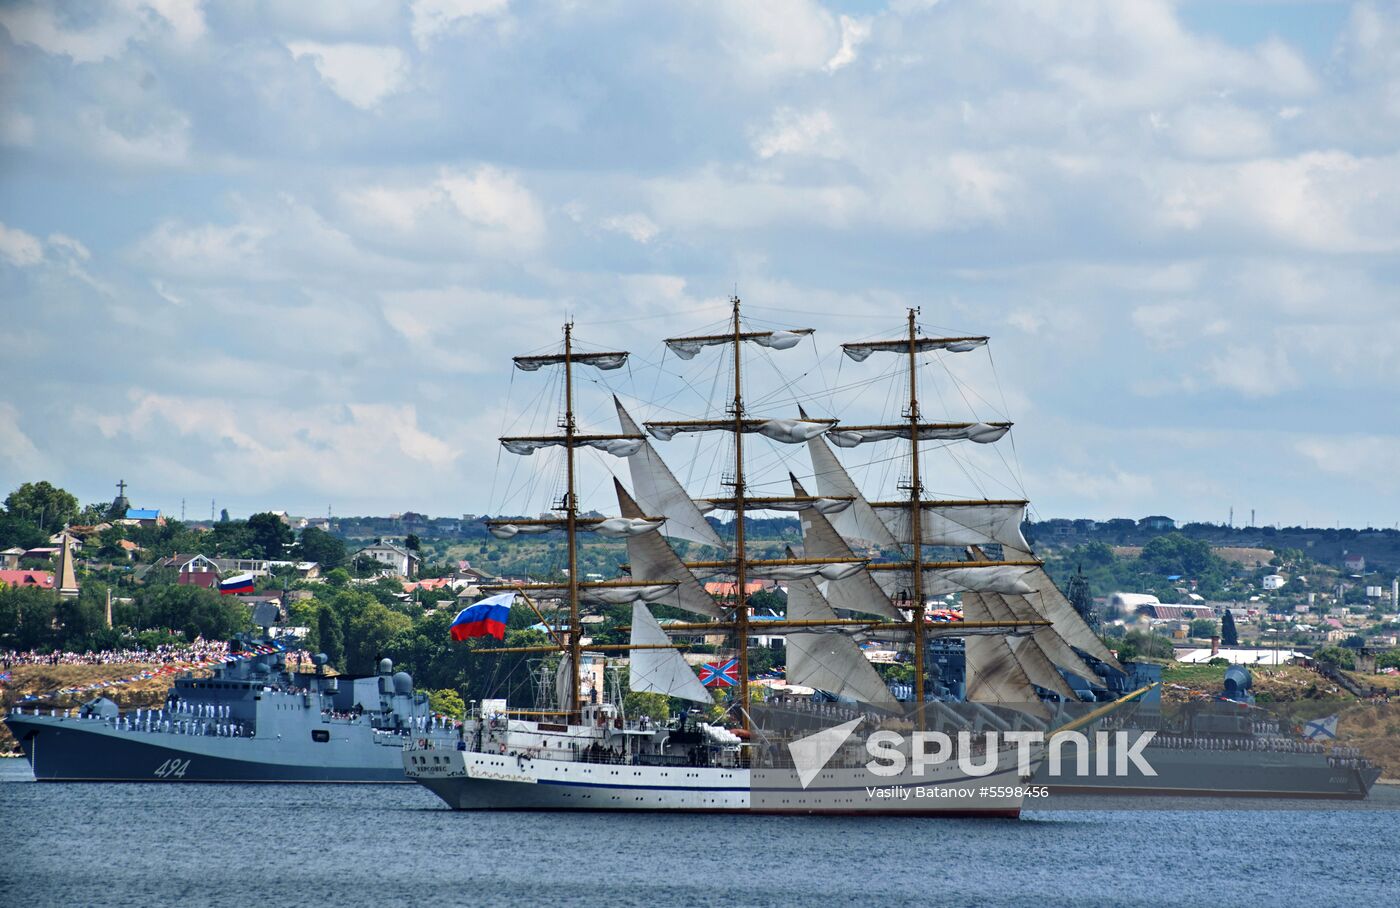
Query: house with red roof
point(41, 579)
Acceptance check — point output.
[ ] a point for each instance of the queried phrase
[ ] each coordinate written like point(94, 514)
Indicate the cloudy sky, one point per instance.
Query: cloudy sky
point(278, 254)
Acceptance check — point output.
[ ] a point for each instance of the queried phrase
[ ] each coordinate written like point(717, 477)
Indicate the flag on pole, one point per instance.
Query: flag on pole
point(485, 618)
point(1320, 729)
point(243, 583)
point(720, 674)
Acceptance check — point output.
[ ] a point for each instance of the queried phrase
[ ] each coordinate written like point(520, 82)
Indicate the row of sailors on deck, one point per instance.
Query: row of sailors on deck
point(200, 710)
point(162, 721)
point(1271, 745)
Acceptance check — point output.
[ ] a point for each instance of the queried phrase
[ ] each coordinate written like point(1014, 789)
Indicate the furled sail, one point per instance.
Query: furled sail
point(612, 594)
point(978, 432)
point(610, 527)
point(959, 523)
point(604, 361)
point(787, 431)
point(658, 669)
point(689, 347)
point(859, 522)
point(974, 578)
point(659, 493)
point(653, 559)
point(858, 591)
point(821, 505)
point(994, 675)
point(860, 352)
point(828, 660)
point(617, 446)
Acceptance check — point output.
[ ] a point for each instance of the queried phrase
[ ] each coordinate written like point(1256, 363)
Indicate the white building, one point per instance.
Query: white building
point(397, 559)
point(1275, 582)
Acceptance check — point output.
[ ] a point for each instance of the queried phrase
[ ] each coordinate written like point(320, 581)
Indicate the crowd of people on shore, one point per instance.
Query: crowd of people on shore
point(198, 651)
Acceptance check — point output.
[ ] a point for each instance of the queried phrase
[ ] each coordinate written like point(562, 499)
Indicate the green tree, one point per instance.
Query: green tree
point(1229, 636)
point(27, 616)
point(192, 610)
point(43, 504)
point(656, 707)
point(16, 531)
point(321, 547)
point(412, 542)
point(338, 579)
point(92, 514)
point(447, 702)
point(330, 637)
point(1204, 627)
point(270, 535)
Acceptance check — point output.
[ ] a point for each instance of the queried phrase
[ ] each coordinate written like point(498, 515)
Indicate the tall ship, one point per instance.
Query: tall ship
point(252, 719)
point(867, 574)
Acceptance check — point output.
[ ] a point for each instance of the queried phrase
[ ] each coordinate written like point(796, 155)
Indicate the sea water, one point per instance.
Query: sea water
point(391, 845)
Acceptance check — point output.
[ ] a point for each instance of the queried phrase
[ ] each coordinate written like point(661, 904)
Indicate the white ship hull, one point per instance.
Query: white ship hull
point(468, 780)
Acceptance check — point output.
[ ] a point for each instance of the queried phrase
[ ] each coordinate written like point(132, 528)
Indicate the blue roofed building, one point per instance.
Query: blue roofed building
point(145, 517)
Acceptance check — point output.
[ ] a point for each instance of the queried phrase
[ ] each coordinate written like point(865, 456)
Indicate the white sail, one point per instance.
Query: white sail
point(860, 352)
point(1037, 666)
point(859, 522)
point(994, 675)
point(688, 347)
point(660, 670)
point(858, 591)
point(653, 559)
point(960, 523)
point(1070, 625)
point(617, 447)
point(978, 432)
point(835, 570)
point(563, 683)
point(828, 660)
point(1021, 608)
point(659, 493)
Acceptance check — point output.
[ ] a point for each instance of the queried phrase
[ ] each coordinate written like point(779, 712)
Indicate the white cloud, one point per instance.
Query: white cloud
point(18, 454)
point(1221, 131)
point(109, 29)
point(361, 74)
point(485, 206)
point(16, 129)
point(792, 132)
point(20, 248)
point(635, 225)
point(854, 32)
point(436, 18)
point(776, 37)
point(1253, 370)
point(1368, 460)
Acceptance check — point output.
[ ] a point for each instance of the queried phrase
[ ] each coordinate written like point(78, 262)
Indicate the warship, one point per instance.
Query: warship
point(868, 572)
point(253, 719)
point(1223, 745)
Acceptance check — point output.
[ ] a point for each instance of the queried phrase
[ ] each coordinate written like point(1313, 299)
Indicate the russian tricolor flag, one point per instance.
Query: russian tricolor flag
point(487, 617)
point(243, 583)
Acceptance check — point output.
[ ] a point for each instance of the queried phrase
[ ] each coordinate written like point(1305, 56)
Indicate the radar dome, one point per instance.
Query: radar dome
point(386, 666)
point(320, 659)
point(403, 683)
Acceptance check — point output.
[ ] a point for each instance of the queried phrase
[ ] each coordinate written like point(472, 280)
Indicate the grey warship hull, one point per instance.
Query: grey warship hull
point(61, 749)
point(1222, 773)
point(252, 720)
